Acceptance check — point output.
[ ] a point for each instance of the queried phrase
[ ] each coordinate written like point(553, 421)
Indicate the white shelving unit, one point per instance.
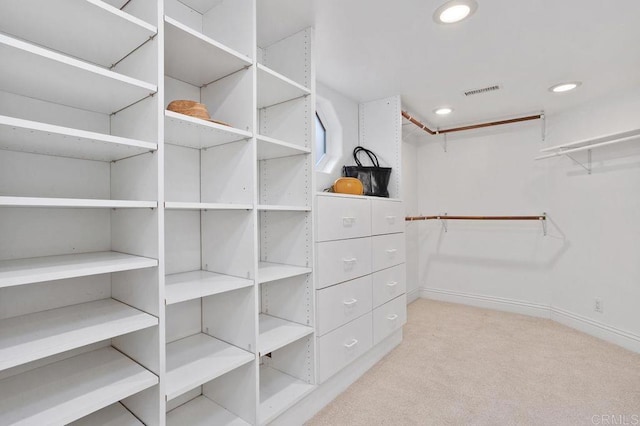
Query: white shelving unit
point(198, 284)
point(276, 271)
point(279, 391)
point(276, 333)
point(203, 411)
point(113, 415)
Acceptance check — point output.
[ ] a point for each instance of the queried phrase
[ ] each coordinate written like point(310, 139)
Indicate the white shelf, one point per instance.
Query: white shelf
point(113, 415)
point(180, 205)
point(197, 59)
point(32, 71)
point(34, 336)
point(183, 130)
point(75, 203)
point(278, 208)
point(274, 88)
point(197, 359)
point(41, 138)
point(197, 284)
point(276, 333)
point(589, 144)
point(91, 30)
point(276, 271)
point(67, 390)
point(202, 411)
point(269, 148)
point(278, 392)
point(39, 269)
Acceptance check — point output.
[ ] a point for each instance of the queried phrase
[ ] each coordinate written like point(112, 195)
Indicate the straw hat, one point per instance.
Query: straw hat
point(193, 109)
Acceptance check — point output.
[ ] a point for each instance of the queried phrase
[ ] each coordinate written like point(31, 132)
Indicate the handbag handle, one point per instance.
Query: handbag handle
point(372, 156)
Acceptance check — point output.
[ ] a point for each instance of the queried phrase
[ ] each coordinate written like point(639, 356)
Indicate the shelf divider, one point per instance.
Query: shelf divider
point(75, 203)
point(274, 88)
point(276, 333)
point(183, 130)
point(268, 271)
point(196, 284)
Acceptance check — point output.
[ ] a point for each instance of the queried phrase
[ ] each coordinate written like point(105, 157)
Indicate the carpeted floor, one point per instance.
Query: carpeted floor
point(464, 365)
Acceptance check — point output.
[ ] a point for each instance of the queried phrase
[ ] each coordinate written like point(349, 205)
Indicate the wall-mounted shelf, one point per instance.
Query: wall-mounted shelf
point(197, 59)
point(588, 145)
point(197, 359)
point(75, 203)
point(270, 148)
point(34, 336)
point(276, 333)
point(183, 130)
point(67, 390)
point(64, 80)
point(445, 217)
point(41, 138)
point(93, 30)
point(276, 271)
point(274, 88)
point(202, 411)
point(38, 269)
point(278, 391)
point(114, 414)
point(197, 284)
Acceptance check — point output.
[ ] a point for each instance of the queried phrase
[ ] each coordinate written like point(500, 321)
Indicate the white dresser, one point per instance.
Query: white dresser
point(361, 276)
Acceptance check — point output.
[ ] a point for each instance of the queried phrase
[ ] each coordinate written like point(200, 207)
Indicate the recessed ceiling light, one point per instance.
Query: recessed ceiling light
point(443, 111)
point(564, 87)
point(454, 11)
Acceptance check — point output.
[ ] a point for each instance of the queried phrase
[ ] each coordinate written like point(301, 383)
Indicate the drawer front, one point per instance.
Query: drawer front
point(389, 284)
point(388, 318)
point(344, 260)
point(339, 304)
point(387, 217)
point(342, 346)
point(338, 218)
point(388, 250)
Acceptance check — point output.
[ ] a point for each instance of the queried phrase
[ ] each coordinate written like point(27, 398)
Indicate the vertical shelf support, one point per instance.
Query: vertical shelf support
point(543, 125)
point(543, 219)
point(443, 221)
point(587, 167)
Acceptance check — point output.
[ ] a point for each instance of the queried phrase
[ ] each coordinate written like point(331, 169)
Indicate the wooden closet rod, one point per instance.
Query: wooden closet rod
point(445, 217)
point(472, 126)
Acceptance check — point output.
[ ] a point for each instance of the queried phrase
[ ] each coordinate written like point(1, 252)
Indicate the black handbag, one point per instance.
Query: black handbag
point(375, 179)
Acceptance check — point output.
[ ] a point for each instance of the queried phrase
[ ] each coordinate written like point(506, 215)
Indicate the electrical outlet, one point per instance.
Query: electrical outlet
point(597, 306)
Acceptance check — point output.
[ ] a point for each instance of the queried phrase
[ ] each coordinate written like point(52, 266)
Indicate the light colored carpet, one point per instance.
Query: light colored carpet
point(464, 365)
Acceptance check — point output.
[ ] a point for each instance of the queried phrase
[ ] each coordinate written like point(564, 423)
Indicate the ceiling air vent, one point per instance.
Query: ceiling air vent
point(483, 90)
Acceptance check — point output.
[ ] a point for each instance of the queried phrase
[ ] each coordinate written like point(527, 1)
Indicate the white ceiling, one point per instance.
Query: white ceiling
point(369, 49)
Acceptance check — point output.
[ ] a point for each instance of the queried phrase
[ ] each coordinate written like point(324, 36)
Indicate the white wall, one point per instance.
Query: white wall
point(410, 192)
point(593, 247)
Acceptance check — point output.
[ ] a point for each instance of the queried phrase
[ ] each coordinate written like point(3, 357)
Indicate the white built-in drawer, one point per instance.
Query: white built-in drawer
point(388, 284)
point(339, 304)
point(342, 217)
point(343, 260)
point(343, 345)
point(387, 216)
point(388, 250)
point(389, 317)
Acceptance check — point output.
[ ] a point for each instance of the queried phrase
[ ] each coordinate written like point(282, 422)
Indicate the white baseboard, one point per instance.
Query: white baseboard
point(330, 389)
point(413, 295)
point(586, 325)
point(489, 302)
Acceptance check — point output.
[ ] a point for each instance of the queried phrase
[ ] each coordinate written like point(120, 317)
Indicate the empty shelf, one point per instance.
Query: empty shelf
point(274, 88)
point(183, 130)
point(41, 138)
point(274, 207)
point(38, 269)
point(32, 71)
point(269, 148)
point(113, 415)
point(202, 411)
point(180, 205)
point(74, 202)
point(278, 392)
point(34, 336)
point(196, 284)
point(197, 359)
point(276, 333)
point(276, 271)
point(67, 390)
point(197, 59)
point(91, 30)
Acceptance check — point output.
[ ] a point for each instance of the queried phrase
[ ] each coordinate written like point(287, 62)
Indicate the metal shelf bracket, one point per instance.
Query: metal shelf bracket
point(443, 221)
point(543, 219)
point(587, 167)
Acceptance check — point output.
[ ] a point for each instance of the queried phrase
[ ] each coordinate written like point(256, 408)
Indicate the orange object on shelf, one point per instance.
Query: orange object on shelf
point(348, 185)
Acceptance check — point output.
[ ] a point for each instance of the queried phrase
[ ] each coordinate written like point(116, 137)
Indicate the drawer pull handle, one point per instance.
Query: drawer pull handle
point(392, 317)
point(350, 302)
point(352, 344)
point(348, 221)
point(350, 261)
point(392, 284)
point(391, 219)
point(391, 251)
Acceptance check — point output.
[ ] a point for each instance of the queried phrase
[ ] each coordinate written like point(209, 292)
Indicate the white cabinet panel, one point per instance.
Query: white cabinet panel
point(341, 217)
point(342, 346)
point(388, 250)
point(389, 318)
point(340, 261)
point(388, 284)
point(342, 303)
point(387, 216)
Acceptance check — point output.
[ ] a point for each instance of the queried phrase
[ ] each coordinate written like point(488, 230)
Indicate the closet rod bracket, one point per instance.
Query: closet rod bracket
point(443, 221)
point(543, 219)
point(587, 167)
